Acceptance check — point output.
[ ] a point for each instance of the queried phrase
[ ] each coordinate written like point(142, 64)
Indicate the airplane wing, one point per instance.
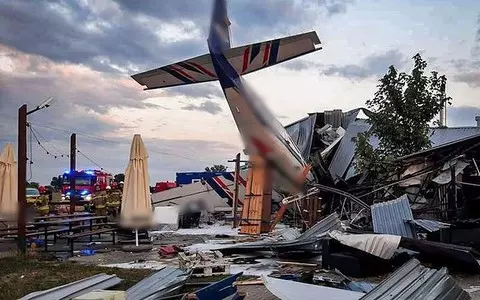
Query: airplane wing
point(245, 59)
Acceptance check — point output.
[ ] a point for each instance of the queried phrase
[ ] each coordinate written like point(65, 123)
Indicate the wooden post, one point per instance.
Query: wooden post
point(73, 156)
point(258, 198)
point(22, 177)
point(235, 191)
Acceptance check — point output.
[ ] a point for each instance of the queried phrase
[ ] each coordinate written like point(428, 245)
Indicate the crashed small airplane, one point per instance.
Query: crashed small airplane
point(261, 132)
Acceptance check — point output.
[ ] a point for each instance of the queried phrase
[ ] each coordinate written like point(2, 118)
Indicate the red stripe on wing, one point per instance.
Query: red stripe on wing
point(246, 54)
point(183, 73)
point(202, 69)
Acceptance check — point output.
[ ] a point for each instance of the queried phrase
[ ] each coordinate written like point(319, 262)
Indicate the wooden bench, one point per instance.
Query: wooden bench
point(90, 233)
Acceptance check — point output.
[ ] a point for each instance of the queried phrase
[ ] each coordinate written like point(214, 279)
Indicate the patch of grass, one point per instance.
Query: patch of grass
point(20, 276)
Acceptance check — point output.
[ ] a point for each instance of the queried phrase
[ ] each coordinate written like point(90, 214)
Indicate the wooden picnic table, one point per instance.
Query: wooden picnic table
point(68, 222)
point(85, 214)
point(67, 202)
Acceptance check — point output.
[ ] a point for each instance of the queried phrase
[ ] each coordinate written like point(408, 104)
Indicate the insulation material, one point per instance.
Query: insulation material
point(381, 245)
point(446, 176)
point(292, 290)
point(413, 169)
point(167, 216)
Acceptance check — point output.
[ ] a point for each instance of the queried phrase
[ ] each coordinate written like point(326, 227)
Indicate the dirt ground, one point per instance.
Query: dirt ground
point(133, 266)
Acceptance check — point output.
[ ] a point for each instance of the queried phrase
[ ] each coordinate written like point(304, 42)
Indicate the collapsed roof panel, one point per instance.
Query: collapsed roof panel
point(346, 150)
point(414, 281)
point(391, 217)
point(301, 133)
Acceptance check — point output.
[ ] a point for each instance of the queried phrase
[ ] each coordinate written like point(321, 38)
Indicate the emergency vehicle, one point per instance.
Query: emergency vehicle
point(87, 182)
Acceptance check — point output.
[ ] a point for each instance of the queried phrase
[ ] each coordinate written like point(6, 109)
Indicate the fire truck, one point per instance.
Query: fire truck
point(164, 185)
point(87, 182)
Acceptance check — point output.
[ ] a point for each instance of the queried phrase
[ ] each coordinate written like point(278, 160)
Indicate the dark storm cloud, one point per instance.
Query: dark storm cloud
point(299, 64)
point(170, 10)
point(373, 66)
point(124, 33)
point(476, 45)
point(470, 78)
point(206, 106)
point(67, 39)
point(468, 70)
point(60, 32)
point(462, 115)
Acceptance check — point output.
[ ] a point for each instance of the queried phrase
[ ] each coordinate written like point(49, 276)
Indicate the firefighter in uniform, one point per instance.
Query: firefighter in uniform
point(99, 202)
point(114, 197)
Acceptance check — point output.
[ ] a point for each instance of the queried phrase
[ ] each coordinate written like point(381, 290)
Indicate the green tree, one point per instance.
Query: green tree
point(119, 177)
point(32, 184)
point(216, 168)
point(56, 182)
point(403, 108)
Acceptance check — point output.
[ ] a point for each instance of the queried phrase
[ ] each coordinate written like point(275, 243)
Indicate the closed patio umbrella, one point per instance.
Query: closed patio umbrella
point(136, 212)
point(8, 184)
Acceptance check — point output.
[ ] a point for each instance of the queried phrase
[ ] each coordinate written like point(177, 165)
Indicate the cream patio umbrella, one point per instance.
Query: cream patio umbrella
point(8, 184)
point(136, 212)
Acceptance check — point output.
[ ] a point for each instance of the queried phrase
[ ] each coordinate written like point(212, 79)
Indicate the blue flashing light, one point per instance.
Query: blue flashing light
point(89, 172)
point(67, 172)
point(68, 193)
point(84, 192)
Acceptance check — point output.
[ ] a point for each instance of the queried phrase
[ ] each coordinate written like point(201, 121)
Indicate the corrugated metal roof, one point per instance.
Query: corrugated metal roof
point(414, 281)
point(77, 288)
point(438, 137)
point(289, 234)
point(158, 284)
point(346, 150)
point(441, 136)
point(392, 217)
point(330, 222)
point(301, 134)
point(430, 225)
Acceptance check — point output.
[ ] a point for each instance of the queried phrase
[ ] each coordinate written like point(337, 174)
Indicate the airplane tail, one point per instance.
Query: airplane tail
point(244, 59)
point(219, 36)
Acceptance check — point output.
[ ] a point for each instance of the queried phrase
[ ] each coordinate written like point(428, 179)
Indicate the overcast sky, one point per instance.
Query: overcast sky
point(83, 52)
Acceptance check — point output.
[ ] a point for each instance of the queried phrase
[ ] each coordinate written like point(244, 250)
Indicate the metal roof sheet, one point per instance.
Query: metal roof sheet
point(330, 222)
point(77, 288)
point(302, 134)
point(346, 150)
point(293, 290)
point(391, 217)
point(430, 225)
point(414, 281)
point(158, 284)
point(441, 136)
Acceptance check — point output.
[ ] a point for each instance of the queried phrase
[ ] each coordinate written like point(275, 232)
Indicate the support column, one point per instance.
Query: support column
point(258, 198)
